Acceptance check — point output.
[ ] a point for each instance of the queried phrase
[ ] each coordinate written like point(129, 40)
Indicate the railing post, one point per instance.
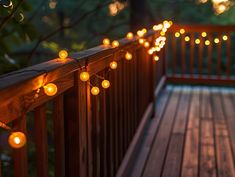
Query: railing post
point(20, 155)
point(75, 111)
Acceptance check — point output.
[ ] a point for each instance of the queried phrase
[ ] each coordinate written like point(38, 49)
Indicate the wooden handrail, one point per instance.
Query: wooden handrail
point(86, 127)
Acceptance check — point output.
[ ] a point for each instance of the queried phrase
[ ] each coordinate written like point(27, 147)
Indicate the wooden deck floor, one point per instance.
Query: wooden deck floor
point(191, 135)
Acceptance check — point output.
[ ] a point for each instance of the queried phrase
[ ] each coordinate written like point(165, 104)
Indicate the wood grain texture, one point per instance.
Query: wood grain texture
point(156, 159)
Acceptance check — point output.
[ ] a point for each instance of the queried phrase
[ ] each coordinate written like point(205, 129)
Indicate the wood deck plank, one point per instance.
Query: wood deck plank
point(150, 134)
point(173, 161)
point(225, 166)
point(191, 149)
point(157, 155)
point(207, 143)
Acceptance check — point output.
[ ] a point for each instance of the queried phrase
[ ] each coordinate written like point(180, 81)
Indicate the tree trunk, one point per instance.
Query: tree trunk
point(138, 14)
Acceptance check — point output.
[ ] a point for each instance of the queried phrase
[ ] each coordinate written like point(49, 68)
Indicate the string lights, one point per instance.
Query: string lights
point(115, 44)
point(204, 34)
point(63, 54)
point(50, 89)
point(84, 76)
point(106, 41)
point(18, 139)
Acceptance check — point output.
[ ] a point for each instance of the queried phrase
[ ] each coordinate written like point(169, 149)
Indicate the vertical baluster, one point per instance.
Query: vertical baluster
point(116, 118)
point(209, 55)
point(121, 114)
point(111, 129)
point(41, 141)
point(103, 143)
point(89, 133)
point(228, 51)
point(76, 128)
point(200, 56)
point(174, 41)
point(58, 112)
point(20, 155)
point(219, 53)
point(0, 168)
point(192, 48)
point(182, 56)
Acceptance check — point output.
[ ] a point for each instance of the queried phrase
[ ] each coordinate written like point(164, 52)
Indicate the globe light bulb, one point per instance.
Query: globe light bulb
point(187, 38)
point(17, 139)
point(128, 56)
point(63, 54)
point(162, 33)
point(225, 37)
point(105, 84)
point(182, 31)
point(166, 24)
point(95, 90)
point(216, 40)
point(177, 34)
point(197, 41)
point(113, 65)
point(207, 42)
point(156, 58)
point(130, 35)
point(146, 44)
point(115, 43)
point(140, 33)
point(84, 76)
point(50, 89)
point(106, 42)
point(204, 34)
point(144, 30)
point(150, 51)
point(141, 40)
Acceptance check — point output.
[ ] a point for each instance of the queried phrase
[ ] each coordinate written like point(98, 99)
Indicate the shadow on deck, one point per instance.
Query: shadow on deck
point(192, 134)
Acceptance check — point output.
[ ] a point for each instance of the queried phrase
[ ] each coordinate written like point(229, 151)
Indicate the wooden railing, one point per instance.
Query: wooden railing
point(74, 133)
point(210, 61)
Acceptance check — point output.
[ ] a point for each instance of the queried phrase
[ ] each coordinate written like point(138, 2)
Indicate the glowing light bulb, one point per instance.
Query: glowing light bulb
point(187, 38)
point(50, 89)
point(129, 35)
point(144, 30)
point(164, 30)
point(197, 41)
point(216, 40)
point(84, 76)
point(115, 43)
point(207, 42)
point(166, 24)
point(225, 37)
point(182, 31)
point(141, 40)
point(17, 139)
point(105, 84)
point(170, 22)
point(95, 90)
point(177, 34)
point(113, 65)
point(140, 33)
point(162, 33)
point(128, 56)
point(150, 51)
point(146, 44)
point(106, 41)
point(204, 34)
point(156, 58)
point(63, 54)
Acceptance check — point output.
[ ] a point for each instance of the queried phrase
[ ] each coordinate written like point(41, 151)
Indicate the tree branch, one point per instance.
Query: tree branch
point(9, 17)
point(76, 22)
